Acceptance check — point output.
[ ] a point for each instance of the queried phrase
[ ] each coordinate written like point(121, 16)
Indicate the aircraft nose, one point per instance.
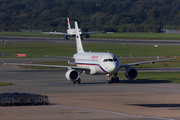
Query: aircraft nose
point(111, 68)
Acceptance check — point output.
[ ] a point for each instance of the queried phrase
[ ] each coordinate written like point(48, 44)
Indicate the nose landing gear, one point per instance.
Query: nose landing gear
point(111, 79)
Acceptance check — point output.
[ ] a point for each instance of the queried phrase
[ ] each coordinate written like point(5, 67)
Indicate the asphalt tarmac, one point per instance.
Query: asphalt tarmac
point(29, 40)
point(91, 100)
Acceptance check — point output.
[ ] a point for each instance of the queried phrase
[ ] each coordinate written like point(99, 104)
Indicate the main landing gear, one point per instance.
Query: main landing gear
point(66, 37)
point(111, 79)
point(78, 81)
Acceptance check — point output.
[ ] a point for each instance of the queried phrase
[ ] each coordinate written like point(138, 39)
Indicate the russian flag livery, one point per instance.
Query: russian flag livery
point(77, 36)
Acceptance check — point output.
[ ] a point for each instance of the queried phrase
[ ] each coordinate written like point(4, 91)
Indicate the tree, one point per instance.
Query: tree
point(141, 15)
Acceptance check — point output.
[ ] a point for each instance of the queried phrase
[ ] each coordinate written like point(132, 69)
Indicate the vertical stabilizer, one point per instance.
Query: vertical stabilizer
point(69, 26)
point(78, 40)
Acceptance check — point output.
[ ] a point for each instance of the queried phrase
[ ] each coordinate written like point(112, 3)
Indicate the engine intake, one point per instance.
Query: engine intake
point(72, 75)
point(131, 73)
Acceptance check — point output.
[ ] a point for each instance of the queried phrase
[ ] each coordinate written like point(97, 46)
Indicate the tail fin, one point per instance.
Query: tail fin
point(78, 40)
point(69, 26)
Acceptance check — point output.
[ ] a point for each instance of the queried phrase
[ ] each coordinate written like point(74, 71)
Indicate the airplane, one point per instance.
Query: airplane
point(95, 63)
point(71, 32)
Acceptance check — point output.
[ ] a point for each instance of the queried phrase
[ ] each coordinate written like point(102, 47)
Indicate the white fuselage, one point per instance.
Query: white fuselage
point(73, 32)
point(98, 63)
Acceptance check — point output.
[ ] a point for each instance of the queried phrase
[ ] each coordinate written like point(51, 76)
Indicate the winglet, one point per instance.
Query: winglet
point(78, 40)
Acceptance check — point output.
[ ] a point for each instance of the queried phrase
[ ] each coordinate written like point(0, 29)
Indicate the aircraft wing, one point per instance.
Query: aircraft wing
point(94, 32)
point(62, 57)
point(58, 33)
point(61, 33)
point(53, 66)
point(144, 62)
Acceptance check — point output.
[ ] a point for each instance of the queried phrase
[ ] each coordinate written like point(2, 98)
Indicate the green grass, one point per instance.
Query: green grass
point(134, 50)
point(146, 36)
point(5, 83)
point(26, 34)
point(40, 50)
point(173, 77)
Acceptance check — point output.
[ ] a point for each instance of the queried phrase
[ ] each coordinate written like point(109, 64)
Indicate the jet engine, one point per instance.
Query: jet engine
point(131, 73)
point(86, 36)
point(72, 75)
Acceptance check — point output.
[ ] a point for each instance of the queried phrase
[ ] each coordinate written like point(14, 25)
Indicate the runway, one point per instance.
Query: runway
point(89, 40)
point(91, 100)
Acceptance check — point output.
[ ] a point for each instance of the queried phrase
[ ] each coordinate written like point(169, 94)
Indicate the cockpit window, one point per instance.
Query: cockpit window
point(115, 59)
point(110, 60)
point(105, 60)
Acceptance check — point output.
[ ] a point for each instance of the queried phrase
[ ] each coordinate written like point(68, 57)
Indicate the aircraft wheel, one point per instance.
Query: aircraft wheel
point(112, 79)
point(79, 81)
point(74, 82)
point(109, 82)
point(117, 80)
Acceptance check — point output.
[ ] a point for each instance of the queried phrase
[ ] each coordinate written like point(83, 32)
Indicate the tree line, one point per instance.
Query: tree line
point(107, 15)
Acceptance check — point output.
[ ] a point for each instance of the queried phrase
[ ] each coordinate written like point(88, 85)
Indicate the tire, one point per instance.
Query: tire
point(112, 79)
point(79, 81)
point(117, 80)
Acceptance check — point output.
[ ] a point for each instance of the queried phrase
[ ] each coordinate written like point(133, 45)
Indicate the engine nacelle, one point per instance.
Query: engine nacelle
point(72, 75)
point(131, 73)
point(86, 36)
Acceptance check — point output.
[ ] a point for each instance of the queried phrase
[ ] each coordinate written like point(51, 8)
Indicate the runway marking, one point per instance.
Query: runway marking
point(117, 113)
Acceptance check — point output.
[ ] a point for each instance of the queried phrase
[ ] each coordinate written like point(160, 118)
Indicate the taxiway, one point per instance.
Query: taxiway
point(91, 100)
point(28, 40)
